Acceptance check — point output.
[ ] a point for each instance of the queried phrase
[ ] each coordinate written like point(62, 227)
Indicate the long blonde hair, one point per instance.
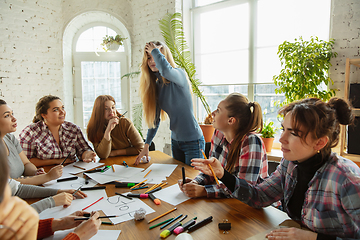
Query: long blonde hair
point(148, 90)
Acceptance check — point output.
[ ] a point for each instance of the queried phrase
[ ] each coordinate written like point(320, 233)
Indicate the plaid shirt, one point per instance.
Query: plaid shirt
point(38, 142)
point(251, 166)
point(332, 202)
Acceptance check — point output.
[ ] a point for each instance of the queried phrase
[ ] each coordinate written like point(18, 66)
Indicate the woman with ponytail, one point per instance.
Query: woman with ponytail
point(316, 186)
point(235, 144)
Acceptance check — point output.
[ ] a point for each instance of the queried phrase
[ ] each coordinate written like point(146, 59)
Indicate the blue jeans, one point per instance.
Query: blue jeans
point(184, 151)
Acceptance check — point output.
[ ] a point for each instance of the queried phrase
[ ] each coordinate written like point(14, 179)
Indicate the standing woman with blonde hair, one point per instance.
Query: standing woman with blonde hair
point(166, 89)
point(111, 133)
point(235, 144)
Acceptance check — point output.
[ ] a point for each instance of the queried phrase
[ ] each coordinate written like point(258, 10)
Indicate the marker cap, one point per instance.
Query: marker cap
point(165, 233)
point(178, 230)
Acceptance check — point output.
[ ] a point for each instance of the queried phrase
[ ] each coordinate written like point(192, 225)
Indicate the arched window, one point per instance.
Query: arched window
point(97, 71)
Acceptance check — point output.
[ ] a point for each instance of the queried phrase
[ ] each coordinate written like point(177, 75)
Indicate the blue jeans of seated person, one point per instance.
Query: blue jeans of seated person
point(184, 151)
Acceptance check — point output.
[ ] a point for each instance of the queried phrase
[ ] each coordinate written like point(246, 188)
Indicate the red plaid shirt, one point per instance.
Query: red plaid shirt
point(38, 142)
point(251, 165)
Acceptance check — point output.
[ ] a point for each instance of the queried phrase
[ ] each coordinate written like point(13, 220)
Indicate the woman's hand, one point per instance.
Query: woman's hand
point(88, 228)
point(291, 234)
point(78, 194)
point(67, 222)
point(20, 217)
point(150, 46)
point(111, 124)
point(40, 171)
point(55, 172)
point(192, 189)
point(144, 152)
point(88, 156)
point(63, 199)
point(203, 166)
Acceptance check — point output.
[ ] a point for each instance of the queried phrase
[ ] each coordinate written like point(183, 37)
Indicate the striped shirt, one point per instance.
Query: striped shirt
point(251, 165)
point(37, 141)
point(332, 201)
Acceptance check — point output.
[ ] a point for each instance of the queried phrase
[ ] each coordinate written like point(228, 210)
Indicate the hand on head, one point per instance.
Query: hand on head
point(150, 46)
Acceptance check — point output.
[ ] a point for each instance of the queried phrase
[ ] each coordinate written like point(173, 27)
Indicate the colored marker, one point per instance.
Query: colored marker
point(162, 215)
point(156, 225)
point(154, 199)
point(67, 179)
point(130, 198)
point(94, 170)
point(93, 203)
point(65, 159)
point(125, 164)
point(154, 190)
point(168, 231)
point(107, 223)
point(106, 168)
point(121, 185)
point(185, 226)
point(86, 179)
point(138, 195)
point(200, 224)
point(171, 221)
point(183, 174)
point(140, 188)
point(93, 188)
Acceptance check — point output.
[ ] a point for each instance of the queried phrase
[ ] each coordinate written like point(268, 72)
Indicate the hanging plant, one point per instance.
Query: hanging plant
point(112, 43)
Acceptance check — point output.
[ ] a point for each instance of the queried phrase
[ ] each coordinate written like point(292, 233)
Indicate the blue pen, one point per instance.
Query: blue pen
point(125, 164)
point(171, 221)
point(140, 188)
point(106, 168)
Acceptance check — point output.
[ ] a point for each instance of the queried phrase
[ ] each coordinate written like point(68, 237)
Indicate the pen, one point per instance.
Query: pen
point(156, 225)
point(86, 218)
point(185, 226)
point(123, 114)
point(200, 224)
point(76, 191)
point(106, 168)
point(143, 195)
point(107, 223)
point(183, 174)
point(92, 188)
point(140, 188)
point(124, 184)
point(86, 179)
point(125, 164)
point(65, 158)
point(138, 184)
point(154, 190)
point(67, 179)
point(171, 221)
point(94, 170)
point(123, 195)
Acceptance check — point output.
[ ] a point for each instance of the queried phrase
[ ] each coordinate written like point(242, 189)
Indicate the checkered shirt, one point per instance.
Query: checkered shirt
point(332, 202)
point(251, 166)
point(38, 142)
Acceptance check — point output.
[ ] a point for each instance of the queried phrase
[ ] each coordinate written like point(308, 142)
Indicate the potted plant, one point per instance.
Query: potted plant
point(112, 43)
point(305, 68)
point(268, 134)
point(171, 27)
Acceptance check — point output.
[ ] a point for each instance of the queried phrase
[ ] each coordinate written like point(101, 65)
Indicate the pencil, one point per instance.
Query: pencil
point(138, 184)
point(112, 166)
point(162, 215)
point(212, 170)
point(65, 158)
point(93, 203)
point(79, 167)
point(148, 173)
point(156, 225)
point(154, 186)
point(163, 184)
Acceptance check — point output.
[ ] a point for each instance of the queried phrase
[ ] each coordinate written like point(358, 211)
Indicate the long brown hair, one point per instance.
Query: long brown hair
point(148, 80)
point(96, 126)
point(42, 106)
point(248, 117)
point(319, 119)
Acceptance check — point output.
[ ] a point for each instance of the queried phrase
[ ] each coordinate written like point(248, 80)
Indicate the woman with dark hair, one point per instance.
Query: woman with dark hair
point(317, 187)
point(112, 134)
point(166, 90)
point(20, 221)
point(49, 139)
point(235, 144)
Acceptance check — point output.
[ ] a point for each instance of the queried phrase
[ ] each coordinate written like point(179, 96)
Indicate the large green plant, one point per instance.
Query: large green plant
point(171, 27)
point(305, 67)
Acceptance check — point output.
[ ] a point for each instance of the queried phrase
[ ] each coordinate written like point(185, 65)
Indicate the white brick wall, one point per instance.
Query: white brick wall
point(31, 46)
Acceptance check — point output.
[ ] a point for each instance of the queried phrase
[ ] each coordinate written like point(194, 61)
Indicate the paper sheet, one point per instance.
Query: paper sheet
point(172, 195)
point(125, 208)
point(101, 235)
point(77, 205)
point(121, 173)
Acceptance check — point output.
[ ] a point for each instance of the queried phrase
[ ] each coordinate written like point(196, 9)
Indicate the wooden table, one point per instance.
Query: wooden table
point(245, 221)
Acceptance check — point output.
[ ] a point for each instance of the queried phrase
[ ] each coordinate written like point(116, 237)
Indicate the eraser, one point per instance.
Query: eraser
point(178, 230)
point(164, 233)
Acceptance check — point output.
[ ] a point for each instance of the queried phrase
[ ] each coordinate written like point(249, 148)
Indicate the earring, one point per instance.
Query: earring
point(318, 151)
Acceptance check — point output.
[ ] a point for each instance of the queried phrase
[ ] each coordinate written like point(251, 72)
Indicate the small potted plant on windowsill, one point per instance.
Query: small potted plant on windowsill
point(268, 134)
point(112, 43)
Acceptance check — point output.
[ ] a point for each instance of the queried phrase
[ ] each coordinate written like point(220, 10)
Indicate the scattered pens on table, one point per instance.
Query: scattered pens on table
point(93, 203)
point(156, 218)
point(212, 170)
point(65, 159)
point(138, 188)
point(106, 168)
point(112, 166)
point(76, 191)
point(156, 225)
point(171, 221)
point(86, 218)
point(125, 164)
point(148, 173)
point(130, 198)
point(138, 184)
